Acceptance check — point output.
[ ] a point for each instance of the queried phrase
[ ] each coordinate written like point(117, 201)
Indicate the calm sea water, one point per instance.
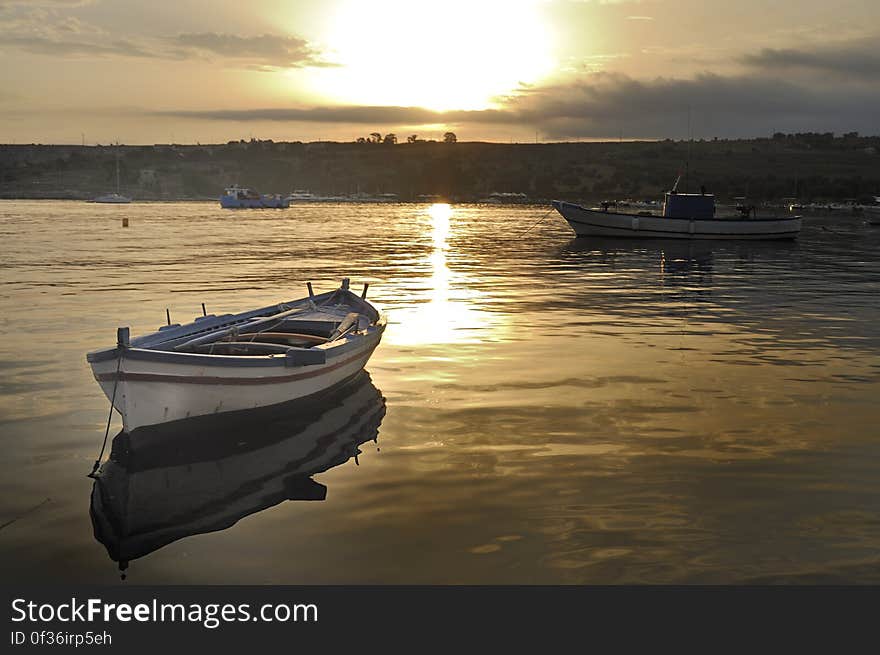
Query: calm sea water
point(556, 410)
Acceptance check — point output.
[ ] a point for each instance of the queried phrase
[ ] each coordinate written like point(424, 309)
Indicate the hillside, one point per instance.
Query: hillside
point(807, 166)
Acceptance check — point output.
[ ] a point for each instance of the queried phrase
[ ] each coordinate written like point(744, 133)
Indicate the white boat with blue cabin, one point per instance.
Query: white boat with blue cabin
point(683, 216)
point(236, 197)
point(243, 361)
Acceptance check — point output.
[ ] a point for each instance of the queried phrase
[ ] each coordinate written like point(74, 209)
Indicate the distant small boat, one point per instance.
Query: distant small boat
point(236, 197)
point(235, 362)
point(506, 198)
point(113, 198)
point(302, 195)
point(684, 216)
point(361, 197)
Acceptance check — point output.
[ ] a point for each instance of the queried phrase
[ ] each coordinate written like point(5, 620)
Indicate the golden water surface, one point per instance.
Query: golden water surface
point(557, 410)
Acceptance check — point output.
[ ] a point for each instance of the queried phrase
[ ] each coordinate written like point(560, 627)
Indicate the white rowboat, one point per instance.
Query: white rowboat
point(241, 361)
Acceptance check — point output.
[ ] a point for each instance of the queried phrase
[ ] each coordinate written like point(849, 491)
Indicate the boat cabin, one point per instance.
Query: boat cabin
point(241, 193)
point(688, 205)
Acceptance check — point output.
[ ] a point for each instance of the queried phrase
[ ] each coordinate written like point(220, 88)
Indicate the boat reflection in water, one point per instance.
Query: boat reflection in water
point(207, 473)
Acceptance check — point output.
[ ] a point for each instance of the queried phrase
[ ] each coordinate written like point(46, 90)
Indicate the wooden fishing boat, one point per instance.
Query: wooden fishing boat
point(174, 481)
point(240, 361)
point(684, 216)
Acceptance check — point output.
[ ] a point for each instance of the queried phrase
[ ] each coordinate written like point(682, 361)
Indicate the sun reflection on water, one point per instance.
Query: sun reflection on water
point(451, 313)
point(440, 214)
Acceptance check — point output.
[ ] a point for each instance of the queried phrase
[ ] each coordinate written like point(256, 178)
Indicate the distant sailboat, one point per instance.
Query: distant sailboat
point(114, 198)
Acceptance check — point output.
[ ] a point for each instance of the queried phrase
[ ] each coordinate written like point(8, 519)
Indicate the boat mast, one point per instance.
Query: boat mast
point(687, 162)
point(117, 168)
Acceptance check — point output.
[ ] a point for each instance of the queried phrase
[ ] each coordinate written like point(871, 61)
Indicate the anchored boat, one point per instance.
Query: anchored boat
point(684, 216)
point(113, 198)
point(236, 197)
point(240, 361)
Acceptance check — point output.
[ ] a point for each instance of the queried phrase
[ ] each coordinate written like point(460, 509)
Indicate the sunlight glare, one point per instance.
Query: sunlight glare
point(440, 214)
point(452, 313)
point(456, 54)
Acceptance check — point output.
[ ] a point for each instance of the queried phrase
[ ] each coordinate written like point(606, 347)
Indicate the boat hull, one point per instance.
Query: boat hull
point(217, 364)
point(148, 391)
point(230, 202)
point(593, 222)
point(112, 199)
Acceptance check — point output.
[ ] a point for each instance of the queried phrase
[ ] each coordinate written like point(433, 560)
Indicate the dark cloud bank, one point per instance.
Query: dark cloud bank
point(852, 59)
point(830, 87)
point(781, 90)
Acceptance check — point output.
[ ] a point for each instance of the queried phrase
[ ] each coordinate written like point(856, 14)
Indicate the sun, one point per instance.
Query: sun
point(436, 54)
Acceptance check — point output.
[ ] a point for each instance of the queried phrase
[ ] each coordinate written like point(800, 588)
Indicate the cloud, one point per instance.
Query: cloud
point(852, 59)
point(726, 106)
point(603, 105)
point(61, 4)
point(42, 45)
point(267, 51)
point(41, 28)
point(367, 115)
point(264, 53)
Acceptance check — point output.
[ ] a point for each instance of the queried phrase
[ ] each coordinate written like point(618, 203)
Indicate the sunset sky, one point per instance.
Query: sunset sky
point(497, 70)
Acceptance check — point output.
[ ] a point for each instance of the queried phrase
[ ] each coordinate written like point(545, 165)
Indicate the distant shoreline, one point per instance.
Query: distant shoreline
point(810, 167)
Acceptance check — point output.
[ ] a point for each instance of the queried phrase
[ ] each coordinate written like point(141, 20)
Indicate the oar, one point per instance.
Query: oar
point(214, 336)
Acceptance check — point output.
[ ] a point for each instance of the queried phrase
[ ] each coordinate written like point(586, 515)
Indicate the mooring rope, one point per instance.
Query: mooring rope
point(109, 418)
point(549, 211)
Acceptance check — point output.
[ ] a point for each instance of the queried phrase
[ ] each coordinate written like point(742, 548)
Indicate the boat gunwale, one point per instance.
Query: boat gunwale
point(337, 348)
point(149, 343)
point(314, 370)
